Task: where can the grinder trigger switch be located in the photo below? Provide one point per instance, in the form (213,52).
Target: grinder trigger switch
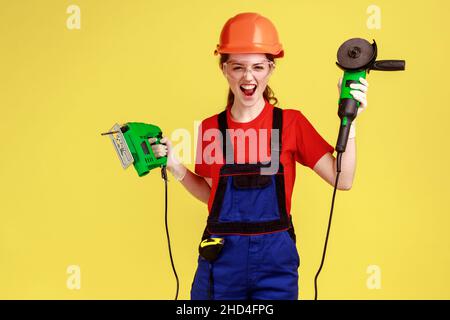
(349,82)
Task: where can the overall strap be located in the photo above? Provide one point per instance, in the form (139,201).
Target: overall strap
(277,126)
(227,147)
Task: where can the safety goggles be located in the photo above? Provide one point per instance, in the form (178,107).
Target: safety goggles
(238,70)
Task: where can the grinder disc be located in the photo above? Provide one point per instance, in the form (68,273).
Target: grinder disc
(355,53)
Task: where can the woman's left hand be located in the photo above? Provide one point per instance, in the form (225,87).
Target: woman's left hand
(359,93)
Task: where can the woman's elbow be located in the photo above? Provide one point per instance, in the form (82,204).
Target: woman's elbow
(345,186)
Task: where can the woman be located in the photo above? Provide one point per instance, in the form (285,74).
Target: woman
(245,170)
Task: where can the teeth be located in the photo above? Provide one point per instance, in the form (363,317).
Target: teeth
(249,86)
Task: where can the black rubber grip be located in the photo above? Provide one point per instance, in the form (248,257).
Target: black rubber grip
(341,143)
(389,65)
(348,108)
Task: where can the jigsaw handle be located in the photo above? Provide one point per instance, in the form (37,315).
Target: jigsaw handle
(158,141)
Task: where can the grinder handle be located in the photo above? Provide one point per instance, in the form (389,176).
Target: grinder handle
(388,65)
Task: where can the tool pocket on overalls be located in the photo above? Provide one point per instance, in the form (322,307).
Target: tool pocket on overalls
(254,197)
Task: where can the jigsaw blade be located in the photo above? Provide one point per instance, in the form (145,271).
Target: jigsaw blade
(121,146)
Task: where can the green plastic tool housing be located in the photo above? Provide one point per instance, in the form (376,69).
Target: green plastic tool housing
(136,135)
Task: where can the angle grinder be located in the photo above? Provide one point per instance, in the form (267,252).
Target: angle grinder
(357,57)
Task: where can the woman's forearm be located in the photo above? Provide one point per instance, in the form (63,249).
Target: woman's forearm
(348,165)
(195,184)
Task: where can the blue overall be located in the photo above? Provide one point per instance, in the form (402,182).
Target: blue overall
(259,259)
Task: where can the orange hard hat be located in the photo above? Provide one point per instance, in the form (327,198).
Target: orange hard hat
(249,33)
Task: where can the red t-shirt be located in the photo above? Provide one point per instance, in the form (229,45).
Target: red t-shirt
(300,142)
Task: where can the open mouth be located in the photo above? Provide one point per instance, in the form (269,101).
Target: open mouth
(248,89)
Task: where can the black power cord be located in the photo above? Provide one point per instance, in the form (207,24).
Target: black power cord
(338,171)
(164,176)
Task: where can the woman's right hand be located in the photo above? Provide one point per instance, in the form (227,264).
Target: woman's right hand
(164,148)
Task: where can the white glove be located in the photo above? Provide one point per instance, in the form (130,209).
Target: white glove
(360,95)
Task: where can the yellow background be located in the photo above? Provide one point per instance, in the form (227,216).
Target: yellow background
(65,199)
